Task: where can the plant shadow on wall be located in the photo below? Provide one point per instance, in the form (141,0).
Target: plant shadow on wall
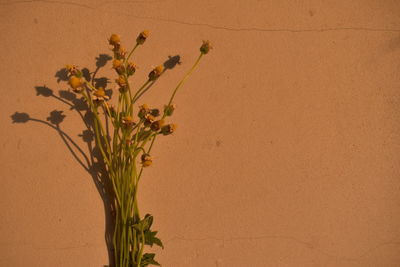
(91,160)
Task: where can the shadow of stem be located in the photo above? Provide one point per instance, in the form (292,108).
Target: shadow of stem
(91,162)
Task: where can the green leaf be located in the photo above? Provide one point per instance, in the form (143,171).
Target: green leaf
(145,224)
(148,259)
(151,239)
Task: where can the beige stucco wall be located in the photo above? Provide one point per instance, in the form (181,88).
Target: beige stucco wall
(288,147)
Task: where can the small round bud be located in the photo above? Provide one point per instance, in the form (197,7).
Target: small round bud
(142,37)
(205,47)
(156,72)
(76,83)
(169,109)
(115,39)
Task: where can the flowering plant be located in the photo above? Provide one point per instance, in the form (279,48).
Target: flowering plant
(125,150)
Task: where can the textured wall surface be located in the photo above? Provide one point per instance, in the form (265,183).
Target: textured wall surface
(288,146)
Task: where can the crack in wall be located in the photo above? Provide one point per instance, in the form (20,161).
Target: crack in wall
(308,245)
(216,27)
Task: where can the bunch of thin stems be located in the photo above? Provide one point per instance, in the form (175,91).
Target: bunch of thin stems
(126,151)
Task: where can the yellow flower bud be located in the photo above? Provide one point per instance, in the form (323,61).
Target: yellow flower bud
(142,37)
(115,39)
(117,63)
(76,83)
(156,72)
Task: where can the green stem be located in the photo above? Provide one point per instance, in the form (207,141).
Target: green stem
(130,54)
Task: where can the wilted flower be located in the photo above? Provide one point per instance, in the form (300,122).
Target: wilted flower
(142,37)
(156,72)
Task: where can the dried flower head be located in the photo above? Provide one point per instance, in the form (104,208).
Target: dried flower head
(130,68)
(142,37)
(115,39)
(149,119)
(100,95)
(143,111)
(119,52)
(121,81)
(156,72)
(117,63)
(169,109)
(76,84)
(205,47)
(168,129)
(147,160)
(156,126)
(155,112)
(118,66)
(128,121)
